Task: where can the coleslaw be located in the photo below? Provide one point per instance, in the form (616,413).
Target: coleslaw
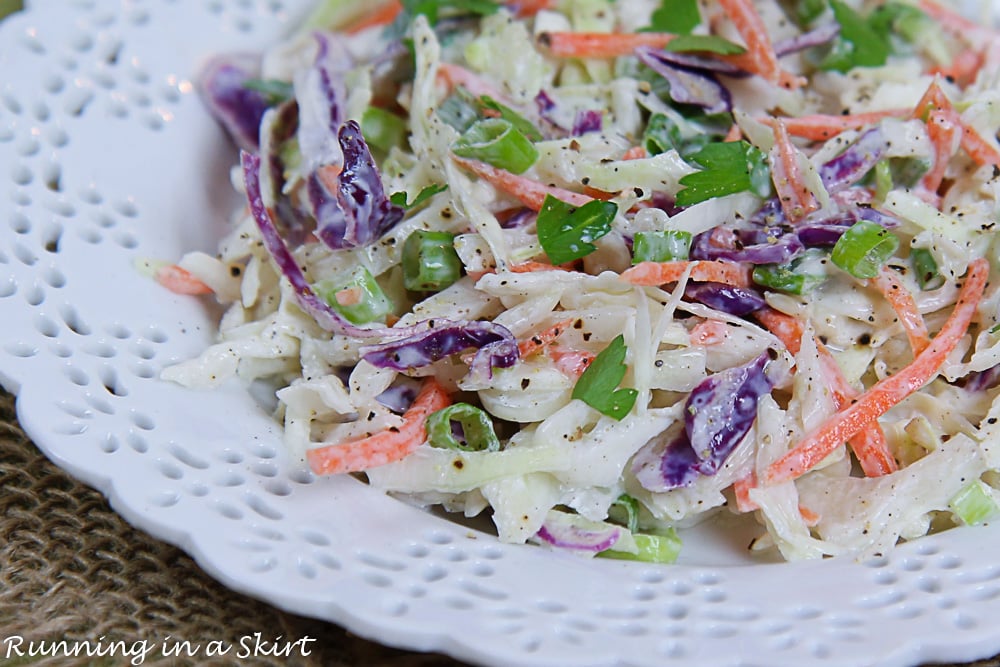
(603,269)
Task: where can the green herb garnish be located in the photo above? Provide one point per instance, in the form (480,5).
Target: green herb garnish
(597,386)
(566,233)
(727,168)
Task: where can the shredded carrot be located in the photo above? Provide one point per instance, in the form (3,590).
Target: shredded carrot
(600,44)
(809,517)
(760,51)
(571,363)
(964,67)
(531,266)
(942,131)
(329,176)
(455,75)
(934,99)
(901,300)
(786,328)
(797,200)
(539,341)
(957,24)
(869,445)
(741,489)
(661,273)
(709,332)
(979,149)
(530,193)
(387,446)
(886,393)
(820,127)
(383,14)
(635,153)
(524,8)
(734,134)
(180,281)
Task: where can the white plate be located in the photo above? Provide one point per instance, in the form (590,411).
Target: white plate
(106,156)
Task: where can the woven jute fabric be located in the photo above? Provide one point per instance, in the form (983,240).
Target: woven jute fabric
(71,569)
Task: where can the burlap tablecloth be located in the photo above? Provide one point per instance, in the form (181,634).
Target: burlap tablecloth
(70,568)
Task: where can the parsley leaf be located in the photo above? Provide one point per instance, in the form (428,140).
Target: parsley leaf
(677,16)
(399,198)
(727,168)
(709,43)
(860,43)
(597,385)
(663,133)
(566,232)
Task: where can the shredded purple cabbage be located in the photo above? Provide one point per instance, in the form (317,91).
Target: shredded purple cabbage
(496,345)
(717,416)
(857,160)
(688,85)
(818,37)
(566,535)
(359,212)
(587,121)
(239,109)
(770,245)
(325,316)
(738,301)
(398,397)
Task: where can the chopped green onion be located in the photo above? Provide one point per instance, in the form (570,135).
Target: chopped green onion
(357,296)
(566,233)
(431,8)
(652,548)
(926,269)
(709,43)
(430,262)
(497,142)
(399,198)
(382,129)
(523,125)
(807,11)
(864,248)
(795,277)
(276,91)
(629,506)
(476,434)
(663,246)
(459,110)
(597,385)
(883,179)
(974,504)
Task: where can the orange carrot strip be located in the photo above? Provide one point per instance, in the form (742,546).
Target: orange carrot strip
(933,98)
(741,490)
(957,24)
(537,342)
(889,391)
(571,363)
(869,445)
(762,58)
(180,281)
(635,153)
(964,67)
(382,15)
(531,266)
(600,44)
(808,516)
(387,446)
(531,193)
(980,150)
(734,134)
(820,127)
(456,75)
(709,332)
(942,131)
(786,328)
(524,8)
(797,200)
(659,273)
(901,300)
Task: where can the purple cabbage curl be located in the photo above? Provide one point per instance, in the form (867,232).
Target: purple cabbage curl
(821,35)
(857,160)
(495,344)
(688,85)
(319,91)
(566,534)
(738,301)
(827,231)
(718,414)
(399,396)
(357,212)
(756,246)
(587,120)
(222,85)
(325,316)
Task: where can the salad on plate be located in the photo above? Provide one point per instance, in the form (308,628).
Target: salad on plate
(603,269)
